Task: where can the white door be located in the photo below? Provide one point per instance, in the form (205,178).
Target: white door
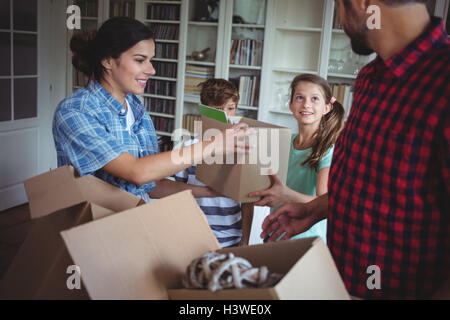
(26,145)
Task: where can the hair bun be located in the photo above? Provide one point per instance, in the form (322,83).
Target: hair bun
(81,46)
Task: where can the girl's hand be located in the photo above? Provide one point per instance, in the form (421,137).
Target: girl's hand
(276,195)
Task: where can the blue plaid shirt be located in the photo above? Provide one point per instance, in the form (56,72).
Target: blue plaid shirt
(89,130)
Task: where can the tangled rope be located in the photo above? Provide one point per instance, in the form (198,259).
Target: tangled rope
(217,271)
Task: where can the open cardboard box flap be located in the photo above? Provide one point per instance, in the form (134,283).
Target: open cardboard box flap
(58,200)
(142,252)
(39,269)
(139,253)
(236,181)
(63,187)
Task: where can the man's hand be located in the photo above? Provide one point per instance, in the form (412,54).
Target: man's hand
(294,218)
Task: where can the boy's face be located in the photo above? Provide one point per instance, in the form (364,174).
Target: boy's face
(230,108)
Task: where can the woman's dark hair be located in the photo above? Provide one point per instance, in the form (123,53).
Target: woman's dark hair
(331,123)
(114,37)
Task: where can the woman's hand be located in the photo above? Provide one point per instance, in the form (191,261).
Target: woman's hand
(230,141)
(274,196)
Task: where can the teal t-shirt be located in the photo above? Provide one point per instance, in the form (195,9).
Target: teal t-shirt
(303,179)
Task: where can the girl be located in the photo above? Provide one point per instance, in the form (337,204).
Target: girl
(104,130)
(320,119)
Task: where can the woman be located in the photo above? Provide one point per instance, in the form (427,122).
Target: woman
(104,130)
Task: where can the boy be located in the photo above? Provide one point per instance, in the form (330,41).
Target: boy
(223,214)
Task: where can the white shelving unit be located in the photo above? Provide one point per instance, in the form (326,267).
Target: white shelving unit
(298,36)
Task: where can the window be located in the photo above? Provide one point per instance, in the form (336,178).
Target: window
(18,66)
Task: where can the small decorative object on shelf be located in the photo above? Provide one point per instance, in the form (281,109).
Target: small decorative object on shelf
(200,55)
(218,271)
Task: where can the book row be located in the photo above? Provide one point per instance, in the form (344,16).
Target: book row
(89,8)
(161,87)
(344,95)
(189,120)
(163,12)
(162,124)
(248,90)
(165,69)
(166,50)
(246,52)
(165,143)
(160,105)
(164,31)
(121,8)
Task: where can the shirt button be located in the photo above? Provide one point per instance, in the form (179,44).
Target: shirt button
(122,111)
(141,150)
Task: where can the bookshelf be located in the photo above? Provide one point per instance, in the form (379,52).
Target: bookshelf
(90,20)
(306,38)
(234,34)
(298,36)
(161,94)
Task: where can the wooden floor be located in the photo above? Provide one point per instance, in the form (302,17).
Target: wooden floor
(14,226)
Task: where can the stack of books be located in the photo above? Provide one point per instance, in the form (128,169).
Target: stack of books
(194,76)
(246,52)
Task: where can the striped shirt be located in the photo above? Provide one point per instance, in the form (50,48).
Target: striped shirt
(90,130)
(223,214)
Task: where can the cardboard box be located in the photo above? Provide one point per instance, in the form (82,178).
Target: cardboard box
(236,181)
(142,253)
(58,200)
(308,268)
(63,187)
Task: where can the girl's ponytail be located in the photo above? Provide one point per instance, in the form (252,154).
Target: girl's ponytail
(329,130)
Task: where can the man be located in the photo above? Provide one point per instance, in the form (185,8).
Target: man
(388,203)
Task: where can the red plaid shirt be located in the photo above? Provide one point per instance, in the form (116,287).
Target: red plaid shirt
(389,185)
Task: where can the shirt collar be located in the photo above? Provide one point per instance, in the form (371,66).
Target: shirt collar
(407,57)
(97,89)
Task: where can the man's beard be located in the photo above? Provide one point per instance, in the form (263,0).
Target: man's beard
(359,43)
(358,37)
